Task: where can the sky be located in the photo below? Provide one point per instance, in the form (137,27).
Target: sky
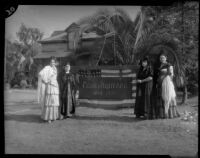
(49,18)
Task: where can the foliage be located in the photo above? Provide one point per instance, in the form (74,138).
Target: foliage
(174,28)
(179,25)
(28,36)
(116,26)
(12,58)
(19,54)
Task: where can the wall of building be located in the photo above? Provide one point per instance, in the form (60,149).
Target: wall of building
(48,47)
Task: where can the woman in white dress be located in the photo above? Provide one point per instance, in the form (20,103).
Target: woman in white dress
(48,92)
(166,95)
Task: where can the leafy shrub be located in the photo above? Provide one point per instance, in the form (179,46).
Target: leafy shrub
(23,84)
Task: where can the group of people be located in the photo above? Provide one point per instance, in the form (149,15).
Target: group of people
(155,94)
(56,92)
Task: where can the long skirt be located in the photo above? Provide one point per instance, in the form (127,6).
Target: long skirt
(50,113)
(143,105)
(66,101)
(169,98)
(50,110)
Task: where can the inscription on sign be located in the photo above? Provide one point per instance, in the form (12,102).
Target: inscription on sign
(105,88)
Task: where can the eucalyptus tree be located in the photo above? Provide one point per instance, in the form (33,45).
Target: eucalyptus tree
(28,38)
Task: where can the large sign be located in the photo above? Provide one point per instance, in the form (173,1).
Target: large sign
(107,85)
(116,88)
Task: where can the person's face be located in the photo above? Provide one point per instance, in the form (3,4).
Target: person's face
(144,63)
(57,63)
(163,59)
(53,62)
(67,68)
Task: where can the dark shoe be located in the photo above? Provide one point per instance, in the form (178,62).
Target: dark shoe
(61,117)
(69,115)
(143,117)
(137,116)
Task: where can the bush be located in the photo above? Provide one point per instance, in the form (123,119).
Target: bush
(193,89)
(23,84)
(7,86)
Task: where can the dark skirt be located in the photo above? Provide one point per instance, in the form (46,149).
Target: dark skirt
(67,103)
(143,105)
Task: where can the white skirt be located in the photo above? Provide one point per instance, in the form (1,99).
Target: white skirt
(50,109)
(168,94)
(50,113)
(168,90)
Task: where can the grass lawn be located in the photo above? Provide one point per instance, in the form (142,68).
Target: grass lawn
(95,130)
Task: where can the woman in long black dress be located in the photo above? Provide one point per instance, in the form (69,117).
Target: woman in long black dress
(143,106)
(66,100)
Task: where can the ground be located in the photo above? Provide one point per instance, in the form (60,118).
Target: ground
(95,131)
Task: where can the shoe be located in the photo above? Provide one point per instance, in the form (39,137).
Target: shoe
(137,116)
(69,115)
(61,118)
(73,115)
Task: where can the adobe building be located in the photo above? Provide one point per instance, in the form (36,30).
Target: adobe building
(66,45)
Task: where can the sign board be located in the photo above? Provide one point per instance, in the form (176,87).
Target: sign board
(107,85)
(105,88)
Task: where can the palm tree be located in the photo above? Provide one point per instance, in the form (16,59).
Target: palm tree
(134,39)
(156,28)
(117,28)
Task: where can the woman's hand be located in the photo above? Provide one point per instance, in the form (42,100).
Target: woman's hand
(139,81)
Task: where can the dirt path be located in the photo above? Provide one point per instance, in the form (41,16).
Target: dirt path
(94,131)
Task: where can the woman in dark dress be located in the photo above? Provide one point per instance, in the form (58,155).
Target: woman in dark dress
(164,90)
(66,100)
(143,106)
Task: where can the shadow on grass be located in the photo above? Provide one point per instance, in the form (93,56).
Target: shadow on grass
(29,118)
(22,103)
(107,118)
(105,107)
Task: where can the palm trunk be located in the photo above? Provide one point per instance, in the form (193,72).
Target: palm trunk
(185,95)
(114,51)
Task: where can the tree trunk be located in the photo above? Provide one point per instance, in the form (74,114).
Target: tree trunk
(185,95)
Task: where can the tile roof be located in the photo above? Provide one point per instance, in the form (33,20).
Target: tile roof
(72,27)
(90,35)
(53,53)
(57,32)
(58,37)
